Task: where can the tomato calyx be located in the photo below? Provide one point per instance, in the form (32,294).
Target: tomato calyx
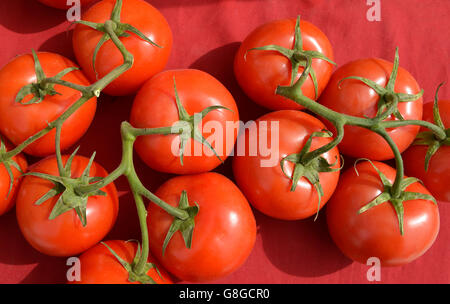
(119,28)
(389,99)
(297,56)
(135,275)
(309,168)
(187,125)
(429,138)
(66,187)
(185,226)
(41,87)
(396,201)
(8,163)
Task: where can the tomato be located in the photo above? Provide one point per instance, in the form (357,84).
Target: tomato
(438,174)
(65,234)
(375,232)
(148,59)
(267,188)
(155,106)
(224,233)
(62,4)
(259,72)
(100,266)
(19,121)
(7,197)
(355,98)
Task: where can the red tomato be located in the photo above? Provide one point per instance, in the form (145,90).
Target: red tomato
(64,235)
(18,121)
(8,201)
(438,174)
(148,59)
(260,72)
(100,266)
(224,233)
(356,98)
(155,106)
(267,187)
(62,4)
(375,233)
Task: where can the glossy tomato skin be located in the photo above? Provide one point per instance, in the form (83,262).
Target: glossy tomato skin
(375,233)
(355,98)
(18,121)
(438,174)
(155,106)
(260,72)
(148,59)
(64,235)
(62,4)
(7,201)
(265,186)
(100,266)
(224,233)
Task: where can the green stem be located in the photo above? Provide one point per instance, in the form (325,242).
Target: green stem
(58,150)
(310,156)
(438,132)
(396,190)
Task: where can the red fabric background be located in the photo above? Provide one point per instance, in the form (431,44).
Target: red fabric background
(207,34)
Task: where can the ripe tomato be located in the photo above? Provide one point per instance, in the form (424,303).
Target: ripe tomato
(100,266)
(62,4)
(19,121)
(260,72)
(438,174)
(266,186)
(148,59)
(356,98)
(224,233)
(375,233)
(155,106)
(7,201)
(64,235)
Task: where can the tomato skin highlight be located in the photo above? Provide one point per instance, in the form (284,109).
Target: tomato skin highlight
(376,233)
(224,233)
(19,122)
(148,59)
(260,72)
(62,4)
(64,235)
(100,266)
(7,201)
(438,174)
(155,106)
(266,187)
(355,98)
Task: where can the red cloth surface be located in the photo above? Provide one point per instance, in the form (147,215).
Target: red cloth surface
(207,33)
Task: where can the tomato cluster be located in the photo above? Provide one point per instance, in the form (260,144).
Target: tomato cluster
(200,225)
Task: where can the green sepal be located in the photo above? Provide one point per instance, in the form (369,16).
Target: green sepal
(397,203)
(185,226)
(8,163)
(309,170)
(187,125)
(143,277)
(297,56)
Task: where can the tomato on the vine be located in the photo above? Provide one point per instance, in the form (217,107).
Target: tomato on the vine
(64,235)
(62,4)
(375,232)
(100,266)
(437,175)
(356,98)
(224,231)
(266,186)
(19,121)
(260,72)
(148,59)
(155,106)
(8,193)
